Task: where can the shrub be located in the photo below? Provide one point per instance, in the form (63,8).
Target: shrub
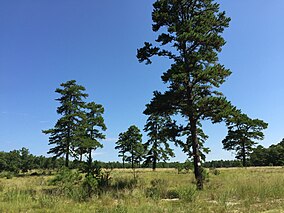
(89,186)
(68,183)
(125,183)
(6,174)
(187,193)
(214,171)
(205,174)
(157,190)
(173,193)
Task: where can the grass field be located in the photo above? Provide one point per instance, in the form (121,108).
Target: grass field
(233,190)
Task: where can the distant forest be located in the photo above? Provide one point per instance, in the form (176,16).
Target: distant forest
(21,161)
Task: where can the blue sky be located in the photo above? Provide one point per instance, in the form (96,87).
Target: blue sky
(44,43)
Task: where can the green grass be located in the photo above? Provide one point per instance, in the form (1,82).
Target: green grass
(233,190)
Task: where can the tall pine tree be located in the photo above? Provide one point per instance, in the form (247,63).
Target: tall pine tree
(190,36)
(63,135)
(159,129)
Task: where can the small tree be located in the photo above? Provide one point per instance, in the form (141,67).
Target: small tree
(158,128)
(258,157)
(63,135)
(122,146)
(130,143)
(242,133)
(134,142)
(26,160)
(93,124)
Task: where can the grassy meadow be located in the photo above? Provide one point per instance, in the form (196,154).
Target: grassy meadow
(226,190)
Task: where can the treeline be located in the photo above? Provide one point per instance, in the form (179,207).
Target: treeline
(22,160)
(271,156)
(17,161)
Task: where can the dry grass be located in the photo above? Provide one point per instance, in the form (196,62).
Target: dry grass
(234,190)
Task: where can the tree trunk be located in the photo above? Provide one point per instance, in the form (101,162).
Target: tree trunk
(154,163)
(132,157)
(244,154)
(155,156)
(123,160)
(196,156)
(67,148)
(67,156)
(90,161)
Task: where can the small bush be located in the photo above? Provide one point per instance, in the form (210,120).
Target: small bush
(214,171)
(103,179)
(125,183)
(205,174)
(158,189)
(66,177)
(89,186)
(171,194)
(187,194)
(6,174)
(68,183)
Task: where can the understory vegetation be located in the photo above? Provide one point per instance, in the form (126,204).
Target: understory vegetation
(225,190)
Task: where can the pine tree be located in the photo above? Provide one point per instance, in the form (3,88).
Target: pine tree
(130,145)
(190,36)
(159,129)
(242,131)
(93,124)
(63,136)
(122,146)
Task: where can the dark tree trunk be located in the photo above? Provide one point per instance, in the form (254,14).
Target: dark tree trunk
(155,156)
(244,154)
(67,159)
(67,156)
(123,160)
(90,161)
(196,156)
(81,156)
(154,163)
(132,157)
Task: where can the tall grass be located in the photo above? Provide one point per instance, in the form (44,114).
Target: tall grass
(230,190)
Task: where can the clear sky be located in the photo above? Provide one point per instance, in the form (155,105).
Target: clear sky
(44,43)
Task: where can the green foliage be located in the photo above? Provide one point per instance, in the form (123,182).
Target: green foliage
(205,174)
(242,133)
(187,194)
(214,171)
(130,146)
(63,135)
(89,134)
(78,131)
(190,36)
(7,174)
(271,156)
(160,129)
(125,183)
(90,185)
(158,189)
(185,167)
(65,178)
(222,163)
(122,146)
(104,179)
